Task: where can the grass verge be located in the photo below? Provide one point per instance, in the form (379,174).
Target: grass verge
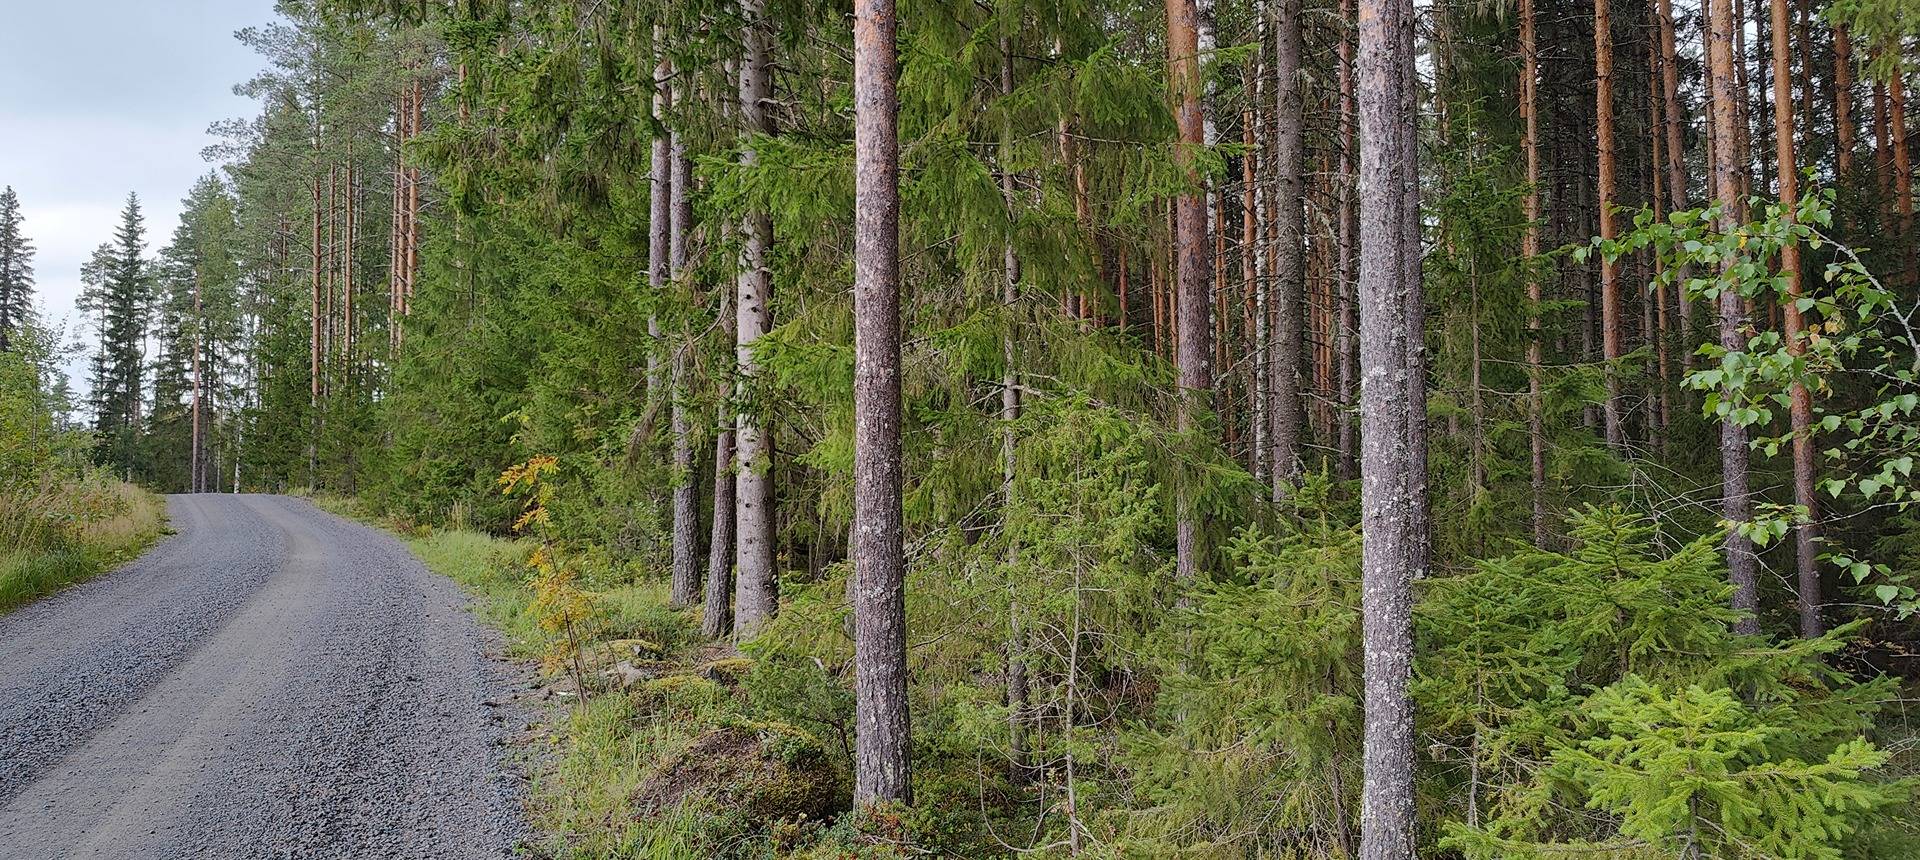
(123,520)
(672,754)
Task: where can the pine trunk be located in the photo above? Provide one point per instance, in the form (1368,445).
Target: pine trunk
(1674,126)
(1289,246)
(1346,343)
(1800,410)
(1530,252)
(1610,319)
(1017,684)
(882,744)
(1843,130)
(1736,505)
(716,618)
(1388,325)
(1190,263)
(686,496)
(1902,170)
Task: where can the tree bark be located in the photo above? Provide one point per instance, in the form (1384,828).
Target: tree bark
(686,496)
(716,619)
(1800,409)
(755,589)
(1346,344)
(1674,126)
(194,477)
(1902,167)
(313,363)
(659,189)
(1290,248)
(1736,504)
(1843,130)
(1388,324)
(1610,321)
(1017,683)
(1882,150)
(1252,330)
(1191,264)
(883,744)
(1530,252)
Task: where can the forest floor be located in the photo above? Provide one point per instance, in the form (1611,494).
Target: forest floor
(273,680)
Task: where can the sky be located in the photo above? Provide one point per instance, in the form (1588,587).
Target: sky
(99,98)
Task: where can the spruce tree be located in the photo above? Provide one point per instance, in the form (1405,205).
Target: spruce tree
(125,307)
(16,269)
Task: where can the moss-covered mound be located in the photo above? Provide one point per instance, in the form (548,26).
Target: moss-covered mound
(769,771)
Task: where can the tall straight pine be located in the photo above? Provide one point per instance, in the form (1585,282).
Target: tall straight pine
(882,744)
(1191,332)
(1736,499)
(1390,492)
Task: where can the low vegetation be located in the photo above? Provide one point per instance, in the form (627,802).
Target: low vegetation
(672,752)
(61,520)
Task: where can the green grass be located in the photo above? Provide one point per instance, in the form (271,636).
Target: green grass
(492,571)
(131,521)
(622,774)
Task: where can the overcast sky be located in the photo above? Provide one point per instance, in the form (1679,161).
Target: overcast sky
(99,98)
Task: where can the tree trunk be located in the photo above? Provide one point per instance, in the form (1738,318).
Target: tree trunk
(1800,410)
(1736,500)
(313,363)
(686,496)
(1251,332)
(1654,307)
(1419,514)
(346,270)
(1882,150)
(1610,322)
(1289,246)
(194,482)
(1346,344)
(1190,262)
(1256,261)
(659,190)
(1530,252)
(1902,169)
(1842,102)
(1388,324)
(1675,150)
(755,594)
(883,743)
(716,618)
(1017,685)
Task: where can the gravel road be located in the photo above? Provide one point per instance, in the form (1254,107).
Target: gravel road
(272,681)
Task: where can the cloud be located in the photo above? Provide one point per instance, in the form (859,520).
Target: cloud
(107,98)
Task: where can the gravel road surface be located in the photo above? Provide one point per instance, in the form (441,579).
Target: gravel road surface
(272,681)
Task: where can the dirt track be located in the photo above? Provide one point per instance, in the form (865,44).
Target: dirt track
(273,681)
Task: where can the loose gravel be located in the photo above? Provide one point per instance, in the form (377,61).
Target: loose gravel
(273,681)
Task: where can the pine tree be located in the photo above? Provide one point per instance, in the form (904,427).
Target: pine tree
(1191,267)
(1786,167)
(1290,246)
(1736,500)
(1389,291)
(880,614)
